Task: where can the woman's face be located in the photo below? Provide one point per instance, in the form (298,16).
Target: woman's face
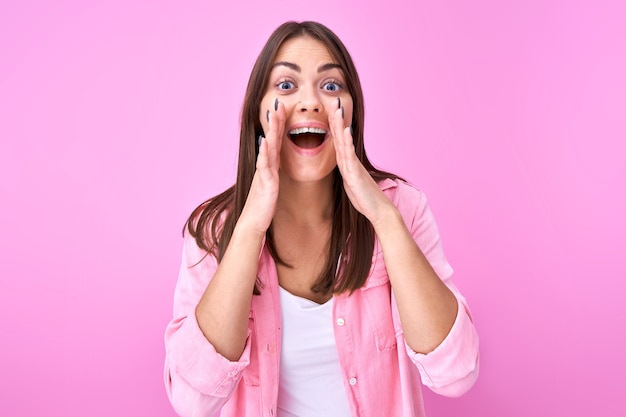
(307,81)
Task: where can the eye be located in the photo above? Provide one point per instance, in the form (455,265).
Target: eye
(285,85)
(332,86)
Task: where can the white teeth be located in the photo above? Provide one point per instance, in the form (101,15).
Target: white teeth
(302,130)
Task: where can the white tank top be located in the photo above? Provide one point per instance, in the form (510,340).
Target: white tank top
(311,384)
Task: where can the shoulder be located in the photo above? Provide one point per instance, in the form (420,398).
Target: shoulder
(404,196)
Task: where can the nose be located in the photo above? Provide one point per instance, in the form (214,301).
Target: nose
(309,101)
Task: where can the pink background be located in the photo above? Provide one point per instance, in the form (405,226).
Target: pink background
(117,118)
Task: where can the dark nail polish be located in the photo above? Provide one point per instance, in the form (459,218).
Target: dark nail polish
(342,115)
(267,116)
(276,105)
(338,102)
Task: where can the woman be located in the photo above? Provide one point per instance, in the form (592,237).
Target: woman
(316,285)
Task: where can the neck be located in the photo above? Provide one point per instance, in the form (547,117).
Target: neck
(305,203)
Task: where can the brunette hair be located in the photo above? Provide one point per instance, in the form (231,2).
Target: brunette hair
(352,237)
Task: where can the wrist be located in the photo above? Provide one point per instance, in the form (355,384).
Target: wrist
(387,216)
(247,232)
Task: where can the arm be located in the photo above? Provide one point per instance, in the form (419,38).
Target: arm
(437,329)
(222,312)
(451,367)
(207,342)
(198,379)
(426,306)
(433,316)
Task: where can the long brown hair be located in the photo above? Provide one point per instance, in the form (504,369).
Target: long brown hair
(212,223)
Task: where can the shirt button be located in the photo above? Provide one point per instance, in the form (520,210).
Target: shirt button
(340,321)
(352,381)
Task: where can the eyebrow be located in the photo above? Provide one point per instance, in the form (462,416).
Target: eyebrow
(297,68)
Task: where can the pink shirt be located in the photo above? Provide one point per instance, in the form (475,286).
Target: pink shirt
(381,374)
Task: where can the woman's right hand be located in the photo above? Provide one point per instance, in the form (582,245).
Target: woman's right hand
(223,311)
(260,206)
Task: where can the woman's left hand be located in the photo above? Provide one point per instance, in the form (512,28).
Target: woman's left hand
(362,190)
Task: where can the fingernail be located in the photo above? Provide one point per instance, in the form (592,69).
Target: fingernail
(267,115)
(276,105)
(342,113)
(258,140)
(338,102)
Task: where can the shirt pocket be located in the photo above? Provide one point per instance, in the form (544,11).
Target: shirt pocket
(251,372)
(376,295)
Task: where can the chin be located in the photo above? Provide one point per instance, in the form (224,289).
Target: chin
(309,176)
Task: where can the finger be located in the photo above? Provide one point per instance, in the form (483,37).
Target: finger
(262,158)
(347,161)
(336,123)
(276,120)
(343,141)
(335,120)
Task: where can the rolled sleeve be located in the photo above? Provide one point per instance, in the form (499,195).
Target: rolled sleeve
(196,361)
(198,379)
(452,367)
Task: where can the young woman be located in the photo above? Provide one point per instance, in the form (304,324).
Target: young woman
(316,285)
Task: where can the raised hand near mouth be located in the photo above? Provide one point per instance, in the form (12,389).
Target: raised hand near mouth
(261,202)
(362,190)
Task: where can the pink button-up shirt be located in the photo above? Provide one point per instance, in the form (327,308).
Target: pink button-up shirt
(381,373)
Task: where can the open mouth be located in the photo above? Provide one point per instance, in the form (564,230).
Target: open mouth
(307,137)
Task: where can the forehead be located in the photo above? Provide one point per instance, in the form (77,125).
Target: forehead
(303,48)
